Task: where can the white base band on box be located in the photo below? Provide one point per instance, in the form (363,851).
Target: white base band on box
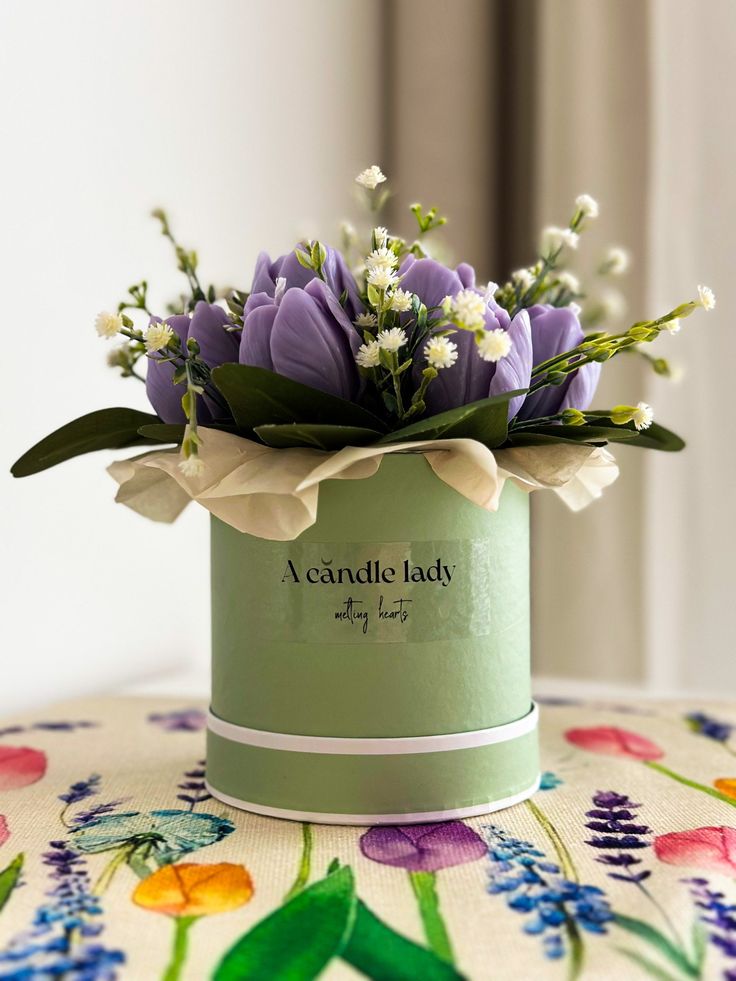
(373,746)
(321,817)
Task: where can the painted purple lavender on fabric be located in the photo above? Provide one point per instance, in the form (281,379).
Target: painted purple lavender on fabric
(706,725)
(180,720)
(719,916)
(423,847)
(194,790)
(617,835)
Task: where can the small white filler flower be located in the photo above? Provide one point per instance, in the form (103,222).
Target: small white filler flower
(616,261)
(707,297)
(554,238)
(192,466)
(494,345)
(157,337)
(108,324)
(587,205)
(568,281)
(380,234)
(381,258)
(366,320)
(382,277)
(643,416)
(440,353)
(401,300)
(368,355)
(468,309)
(393,339)
(371,177)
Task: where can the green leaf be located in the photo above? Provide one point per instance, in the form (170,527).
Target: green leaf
(700,944)
(656,437)
(657,940)
(384,955)
(105,429)
(258,397)
(174,432)
(9,878)
(522,437)
(299,939)
(486,421)
(649,967)
(322,437)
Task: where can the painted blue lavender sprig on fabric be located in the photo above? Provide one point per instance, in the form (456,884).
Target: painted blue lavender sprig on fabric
(715,729)
(555,908)
(58,943)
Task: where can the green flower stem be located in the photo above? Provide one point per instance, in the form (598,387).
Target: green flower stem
(566,863)
(180,948)
(121,856)
(660,768)
(424,885)
(305,863)
(577,950)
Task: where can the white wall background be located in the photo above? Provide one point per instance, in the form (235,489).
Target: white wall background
(247,121)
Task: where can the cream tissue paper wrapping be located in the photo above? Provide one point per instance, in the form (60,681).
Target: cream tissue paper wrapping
(273,493)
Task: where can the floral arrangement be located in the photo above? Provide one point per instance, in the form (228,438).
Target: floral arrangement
(333,348)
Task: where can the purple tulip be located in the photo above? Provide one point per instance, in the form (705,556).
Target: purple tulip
(305,335)
(216,344)
(423,847)
(554,331)
(335,271)
(470,378)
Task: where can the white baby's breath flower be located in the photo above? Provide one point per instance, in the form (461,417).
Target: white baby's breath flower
(569,282)
(643,416)
(401,300)
(108,324)
(706,297)
(440,353)
(382,277)
(157,337)
(368,355)
(380,234)
(371,177)
(381,258)
(468,309)
(366,320)
(494,345)
(393,339)
(612,304)
(616,261)
(672,326)
(523,278)
(587,205)
(554,238)
(192,466)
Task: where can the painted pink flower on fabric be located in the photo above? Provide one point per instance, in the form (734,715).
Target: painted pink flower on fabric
(706,848)
(613,741)
(4,830)
(20,766)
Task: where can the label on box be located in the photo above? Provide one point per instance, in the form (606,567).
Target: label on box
(396,592)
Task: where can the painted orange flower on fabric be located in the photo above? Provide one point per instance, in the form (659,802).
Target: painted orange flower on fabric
(187,891)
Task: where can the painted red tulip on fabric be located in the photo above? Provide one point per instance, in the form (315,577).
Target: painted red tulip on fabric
(4,830)
(613,741)
(703,848)
(20,766)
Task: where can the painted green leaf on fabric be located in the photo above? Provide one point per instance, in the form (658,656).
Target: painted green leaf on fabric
(316,435)
(486,421)
(298,940)
(384,955)
(659,942)
(9,878)
(257,396)
(105,429)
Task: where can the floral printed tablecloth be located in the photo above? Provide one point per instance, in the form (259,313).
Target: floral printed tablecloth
(116,863)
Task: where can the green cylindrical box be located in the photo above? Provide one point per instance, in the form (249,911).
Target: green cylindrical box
(375,669)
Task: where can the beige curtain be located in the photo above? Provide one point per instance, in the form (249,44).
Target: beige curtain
(502,121)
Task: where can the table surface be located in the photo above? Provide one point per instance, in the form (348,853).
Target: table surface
(116,863)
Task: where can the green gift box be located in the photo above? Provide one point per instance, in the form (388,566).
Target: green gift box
(376,668)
